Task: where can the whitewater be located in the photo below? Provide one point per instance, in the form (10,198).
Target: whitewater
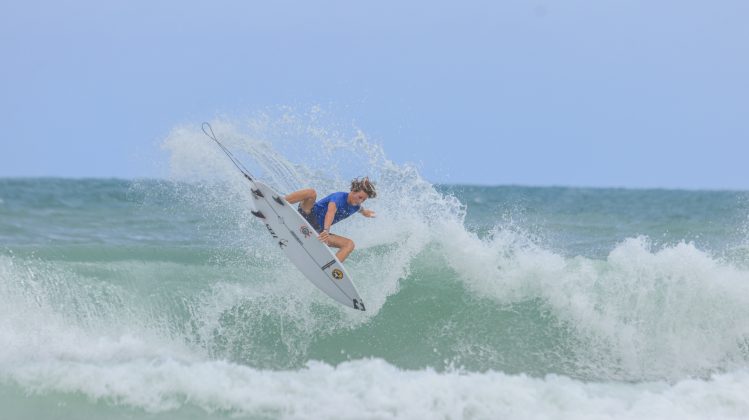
(165,299)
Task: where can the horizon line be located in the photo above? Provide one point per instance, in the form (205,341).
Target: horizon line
(455,184)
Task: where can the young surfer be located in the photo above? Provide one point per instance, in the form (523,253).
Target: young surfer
(332,209)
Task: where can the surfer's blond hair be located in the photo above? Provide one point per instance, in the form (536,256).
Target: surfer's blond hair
(365,185)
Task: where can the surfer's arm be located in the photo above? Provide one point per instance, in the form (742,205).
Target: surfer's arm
(329,216)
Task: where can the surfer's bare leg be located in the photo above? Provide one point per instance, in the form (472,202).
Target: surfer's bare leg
(307,196)
(345,246)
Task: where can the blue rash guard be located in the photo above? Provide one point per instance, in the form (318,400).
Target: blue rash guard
(343,209)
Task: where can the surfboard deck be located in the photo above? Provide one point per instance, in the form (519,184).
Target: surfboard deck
(299,241)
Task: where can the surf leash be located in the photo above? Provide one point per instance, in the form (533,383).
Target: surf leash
(208,130)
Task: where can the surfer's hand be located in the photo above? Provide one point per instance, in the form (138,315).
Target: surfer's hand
(368,213)
(324,236)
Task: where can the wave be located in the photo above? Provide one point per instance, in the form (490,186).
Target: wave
(486,321)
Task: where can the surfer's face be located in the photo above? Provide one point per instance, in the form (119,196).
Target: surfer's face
(357,197)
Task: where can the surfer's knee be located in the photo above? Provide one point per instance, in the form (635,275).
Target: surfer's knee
(350,244)
(306,195)
(310,193)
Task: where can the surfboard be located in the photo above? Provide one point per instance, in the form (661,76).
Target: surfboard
(296,238)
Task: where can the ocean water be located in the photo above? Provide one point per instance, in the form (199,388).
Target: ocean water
(165,299)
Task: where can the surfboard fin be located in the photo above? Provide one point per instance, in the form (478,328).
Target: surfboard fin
(278,199)
(258,214)
(257,193)
(359,305)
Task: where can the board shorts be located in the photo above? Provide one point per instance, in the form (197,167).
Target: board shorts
(311,217)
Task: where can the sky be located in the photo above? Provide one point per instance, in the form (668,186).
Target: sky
(601,93)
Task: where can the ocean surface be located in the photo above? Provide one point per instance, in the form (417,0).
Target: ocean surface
(165,299)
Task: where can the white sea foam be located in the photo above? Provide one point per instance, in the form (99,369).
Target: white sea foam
(374,389)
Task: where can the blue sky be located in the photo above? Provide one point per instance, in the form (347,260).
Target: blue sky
(628,93)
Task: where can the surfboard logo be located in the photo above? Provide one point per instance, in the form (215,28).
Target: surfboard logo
(337,274)
(305,231)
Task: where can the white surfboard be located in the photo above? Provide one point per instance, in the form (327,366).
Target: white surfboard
(300,242)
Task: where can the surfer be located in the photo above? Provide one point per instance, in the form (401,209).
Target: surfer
(332,209)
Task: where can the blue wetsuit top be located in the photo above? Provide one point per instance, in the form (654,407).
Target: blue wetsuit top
(343,208)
